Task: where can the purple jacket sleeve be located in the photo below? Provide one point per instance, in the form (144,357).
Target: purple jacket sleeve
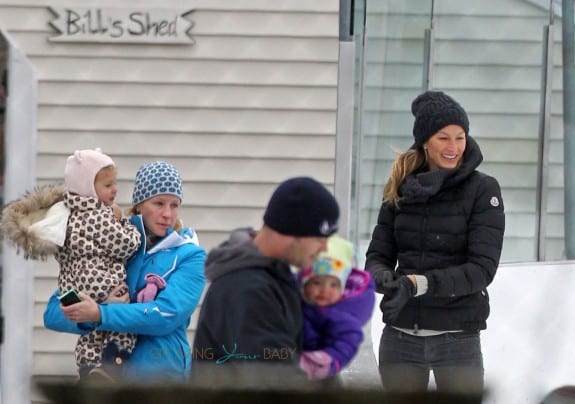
(338,329)
(344,338)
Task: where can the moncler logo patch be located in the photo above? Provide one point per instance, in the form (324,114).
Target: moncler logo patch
(494,201)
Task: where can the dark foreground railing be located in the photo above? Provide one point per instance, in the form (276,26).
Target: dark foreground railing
(66,392)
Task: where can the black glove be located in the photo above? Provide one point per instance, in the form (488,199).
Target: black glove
(384,277)
(395,296)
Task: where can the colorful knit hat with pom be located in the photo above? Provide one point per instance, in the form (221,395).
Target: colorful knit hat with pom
(337,261)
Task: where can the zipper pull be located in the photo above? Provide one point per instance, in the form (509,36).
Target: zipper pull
(415,328)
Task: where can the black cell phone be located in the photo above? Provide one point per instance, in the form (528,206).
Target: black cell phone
(69,297)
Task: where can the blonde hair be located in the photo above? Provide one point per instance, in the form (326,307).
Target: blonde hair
(405,164)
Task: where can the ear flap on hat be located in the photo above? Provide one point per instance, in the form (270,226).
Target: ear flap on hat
(81,169)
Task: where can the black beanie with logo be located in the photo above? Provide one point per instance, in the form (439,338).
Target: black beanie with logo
(302,207)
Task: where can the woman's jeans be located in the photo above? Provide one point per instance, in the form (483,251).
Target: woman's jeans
(455,358)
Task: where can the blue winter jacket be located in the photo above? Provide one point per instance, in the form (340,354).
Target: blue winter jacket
(162,351)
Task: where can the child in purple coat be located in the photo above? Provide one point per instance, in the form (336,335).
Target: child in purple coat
(337,302)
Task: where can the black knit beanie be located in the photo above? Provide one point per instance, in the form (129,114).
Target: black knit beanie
(434,110)
(302,207)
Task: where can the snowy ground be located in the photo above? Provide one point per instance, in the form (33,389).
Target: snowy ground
(528,347)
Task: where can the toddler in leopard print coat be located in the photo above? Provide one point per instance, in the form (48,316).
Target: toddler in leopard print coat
(83,228)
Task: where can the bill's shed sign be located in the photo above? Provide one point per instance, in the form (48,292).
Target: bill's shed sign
(121,25)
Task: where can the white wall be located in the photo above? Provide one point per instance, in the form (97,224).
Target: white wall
(252,102)
(17,274)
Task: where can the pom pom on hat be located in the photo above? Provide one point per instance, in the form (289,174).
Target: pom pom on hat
(81,170)
(434,110)
(302,207)
(157,178)
(336,261)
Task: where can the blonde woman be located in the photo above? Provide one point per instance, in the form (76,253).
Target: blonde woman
(434,250)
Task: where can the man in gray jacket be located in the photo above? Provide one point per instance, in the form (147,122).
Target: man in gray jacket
(251,314)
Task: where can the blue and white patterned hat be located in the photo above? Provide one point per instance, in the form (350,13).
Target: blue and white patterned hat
(157,178)
(336,261)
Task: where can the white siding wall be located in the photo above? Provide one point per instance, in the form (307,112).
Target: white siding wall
(251,103)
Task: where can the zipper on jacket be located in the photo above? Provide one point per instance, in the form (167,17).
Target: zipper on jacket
(419,270)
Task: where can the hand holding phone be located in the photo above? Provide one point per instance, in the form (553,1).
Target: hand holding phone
(69,297)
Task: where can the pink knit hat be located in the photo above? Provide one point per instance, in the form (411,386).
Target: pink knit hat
(82,168)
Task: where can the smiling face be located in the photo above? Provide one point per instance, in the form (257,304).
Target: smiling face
(105,185)
(445,148)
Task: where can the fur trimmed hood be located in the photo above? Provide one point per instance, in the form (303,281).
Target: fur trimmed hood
(19,216)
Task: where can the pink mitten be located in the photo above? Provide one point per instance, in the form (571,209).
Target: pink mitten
(315,364)
(154,283)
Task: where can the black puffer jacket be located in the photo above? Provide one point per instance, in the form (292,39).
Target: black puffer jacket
(453,237)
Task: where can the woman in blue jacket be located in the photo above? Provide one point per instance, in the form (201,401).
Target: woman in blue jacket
(165,280)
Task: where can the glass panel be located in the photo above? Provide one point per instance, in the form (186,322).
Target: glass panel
(487,55)
(554,229)
(490,61)
(392,77)
(358,32)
